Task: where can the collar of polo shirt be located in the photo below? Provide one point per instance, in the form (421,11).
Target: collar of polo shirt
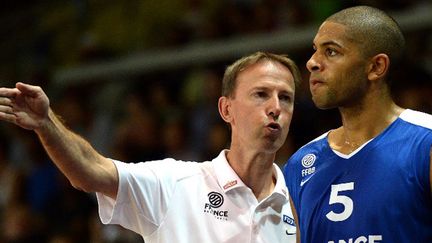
(229,180)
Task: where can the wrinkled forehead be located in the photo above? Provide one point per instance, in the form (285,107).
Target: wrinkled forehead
(265,70)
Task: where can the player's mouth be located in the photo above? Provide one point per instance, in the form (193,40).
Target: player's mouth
(315,84)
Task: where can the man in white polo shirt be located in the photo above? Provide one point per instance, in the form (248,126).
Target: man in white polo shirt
(238,197)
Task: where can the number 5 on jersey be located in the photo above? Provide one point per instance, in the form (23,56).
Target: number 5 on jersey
(346,201)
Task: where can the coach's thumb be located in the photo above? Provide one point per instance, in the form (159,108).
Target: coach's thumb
(27,89)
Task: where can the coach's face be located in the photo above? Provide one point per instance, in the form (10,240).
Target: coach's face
(261,108)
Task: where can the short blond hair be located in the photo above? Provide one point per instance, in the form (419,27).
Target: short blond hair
(229,81)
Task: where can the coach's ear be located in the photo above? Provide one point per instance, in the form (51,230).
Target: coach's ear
(224,106)
(378,66)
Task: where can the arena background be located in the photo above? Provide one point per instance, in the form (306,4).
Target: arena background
(140,80)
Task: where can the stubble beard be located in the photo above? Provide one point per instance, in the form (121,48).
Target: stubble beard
(325,101)
(348,97)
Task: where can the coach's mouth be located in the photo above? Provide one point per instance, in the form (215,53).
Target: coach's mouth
(274,126)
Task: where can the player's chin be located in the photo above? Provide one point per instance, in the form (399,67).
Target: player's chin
(323,104)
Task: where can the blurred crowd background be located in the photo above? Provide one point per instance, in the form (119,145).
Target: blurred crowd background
(140,80)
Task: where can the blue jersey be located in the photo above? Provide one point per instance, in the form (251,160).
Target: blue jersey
(379,193)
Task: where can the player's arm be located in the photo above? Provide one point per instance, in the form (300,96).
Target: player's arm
(28,106)
(296,220)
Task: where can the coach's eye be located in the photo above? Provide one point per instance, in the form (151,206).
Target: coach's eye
(260,94)
(285,97)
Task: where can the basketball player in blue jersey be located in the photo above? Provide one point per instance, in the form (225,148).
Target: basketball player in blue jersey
(370,179)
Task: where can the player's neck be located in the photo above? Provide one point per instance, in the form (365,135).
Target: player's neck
(371,117)
(361,124)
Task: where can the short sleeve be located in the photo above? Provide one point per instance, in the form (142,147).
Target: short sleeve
(143,196)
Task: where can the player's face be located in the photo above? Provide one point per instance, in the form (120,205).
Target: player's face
(262,106)
(338,71)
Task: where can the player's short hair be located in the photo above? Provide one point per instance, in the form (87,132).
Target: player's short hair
(375,31)
(229,81)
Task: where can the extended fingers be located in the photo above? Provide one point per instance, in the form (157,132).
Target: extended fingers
(9,93)
(6,101)
(6,110)
(7,97)
(9,117)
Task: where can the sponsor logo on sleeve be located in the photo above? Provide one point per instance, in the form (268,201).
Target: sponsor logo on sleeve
(287,219)
(291,227)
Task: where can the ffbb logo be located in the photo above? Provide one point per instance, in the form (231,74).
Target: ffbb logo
(216,200)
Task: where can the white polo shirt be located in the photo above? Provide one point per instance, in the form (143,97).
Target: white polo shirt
(175,201)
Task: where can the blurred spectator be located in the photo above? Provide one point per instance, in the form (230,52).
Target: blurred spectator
(201,92)
(137,134)
(20,225)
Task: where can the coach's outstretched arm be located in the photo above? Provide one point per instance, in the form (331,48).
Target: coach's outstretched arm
(28,107)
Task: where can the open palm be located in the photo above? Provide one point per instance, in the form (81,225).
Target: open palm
(28,106)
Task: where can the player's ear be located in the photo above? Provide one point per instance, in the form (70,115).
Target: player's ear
(378,66)
(224,106)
